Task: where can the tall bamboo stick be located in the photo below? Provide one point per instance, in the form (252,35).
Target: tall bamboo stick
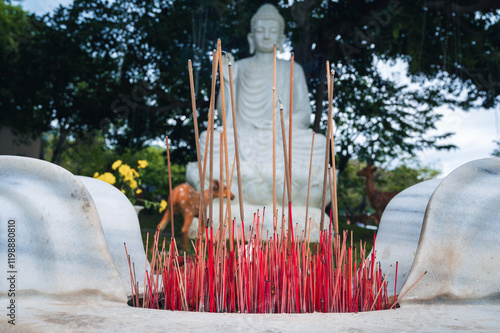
(236,150)
(287,167)
(332,148)
(221,182)
(211,160)
(170,188)
(327,152)
(224,126)
(201,214)
(274,129)
(290,116)
(309,181)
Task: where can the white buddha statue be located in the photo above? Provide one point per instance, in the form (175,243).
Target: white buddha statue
(253,81)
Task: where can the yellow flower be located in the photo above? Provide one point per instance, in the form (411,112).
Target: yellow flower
(163,206)
(133,184)
(96,174)
(123,191)
(135,174)
(107,177)
(116,164)
(126,172)
(142,164)
(138,191)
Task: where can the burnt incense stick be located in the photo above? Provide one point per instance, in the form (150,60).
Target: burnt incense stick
(211,160)
(224,126)
(399,298)
(281,273)
(221,180)
(290,123)
(309,181)
(380,289)
(170,188)
(201,212)
(283,202)
(274,129)
(145,268)
(229,185)
(236,150)
(330,183)
(327,150)
(287,173)
(332,148)
(132,283)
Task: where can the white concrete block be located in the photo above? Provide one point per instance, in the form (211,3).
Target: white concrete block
(460,242)
(121,225)
(60,249)
(399,231)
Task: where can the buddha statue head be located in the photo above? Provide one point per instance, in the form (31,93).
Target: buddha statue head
(267,27)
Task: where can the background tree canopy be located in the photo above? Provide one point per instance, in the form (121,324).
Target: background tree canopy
(119,68)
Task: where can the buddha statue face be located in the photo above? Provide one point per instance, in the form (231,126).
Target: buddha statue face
(265,34)
(267,28)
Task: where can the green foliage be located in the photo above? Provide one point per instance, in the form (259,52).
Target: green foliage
(351,187)
(15,27)
(120,68)
(155,176)
(496,152)
(403,177)
(85,157)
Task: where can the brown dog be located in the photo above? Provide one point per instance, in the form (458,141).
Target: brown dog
(186,201)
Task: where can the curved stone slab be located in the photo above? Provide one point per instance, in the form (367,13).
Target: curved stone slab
(60,249)
(460,239)
(120,225)
(399,231)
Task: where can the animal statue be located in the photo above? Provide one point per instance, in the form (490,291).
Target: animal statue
(185,200)
(378,199)
(364,219)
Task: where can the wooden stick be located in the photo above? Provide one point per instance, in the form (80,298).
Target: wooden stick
(274,130)
(201,215)
(380,289)
(408,290)
(230,182)
(309,181)
(283,203)
(330,182)
(170,188)
(327,153)
(332,148)
(132,281)
(287,168)
(224,126)
(236,151)
(221,179)
(290,116)
(212,110)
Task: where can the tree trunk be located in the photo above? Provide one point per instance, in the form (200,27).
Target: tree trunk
(60,145)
